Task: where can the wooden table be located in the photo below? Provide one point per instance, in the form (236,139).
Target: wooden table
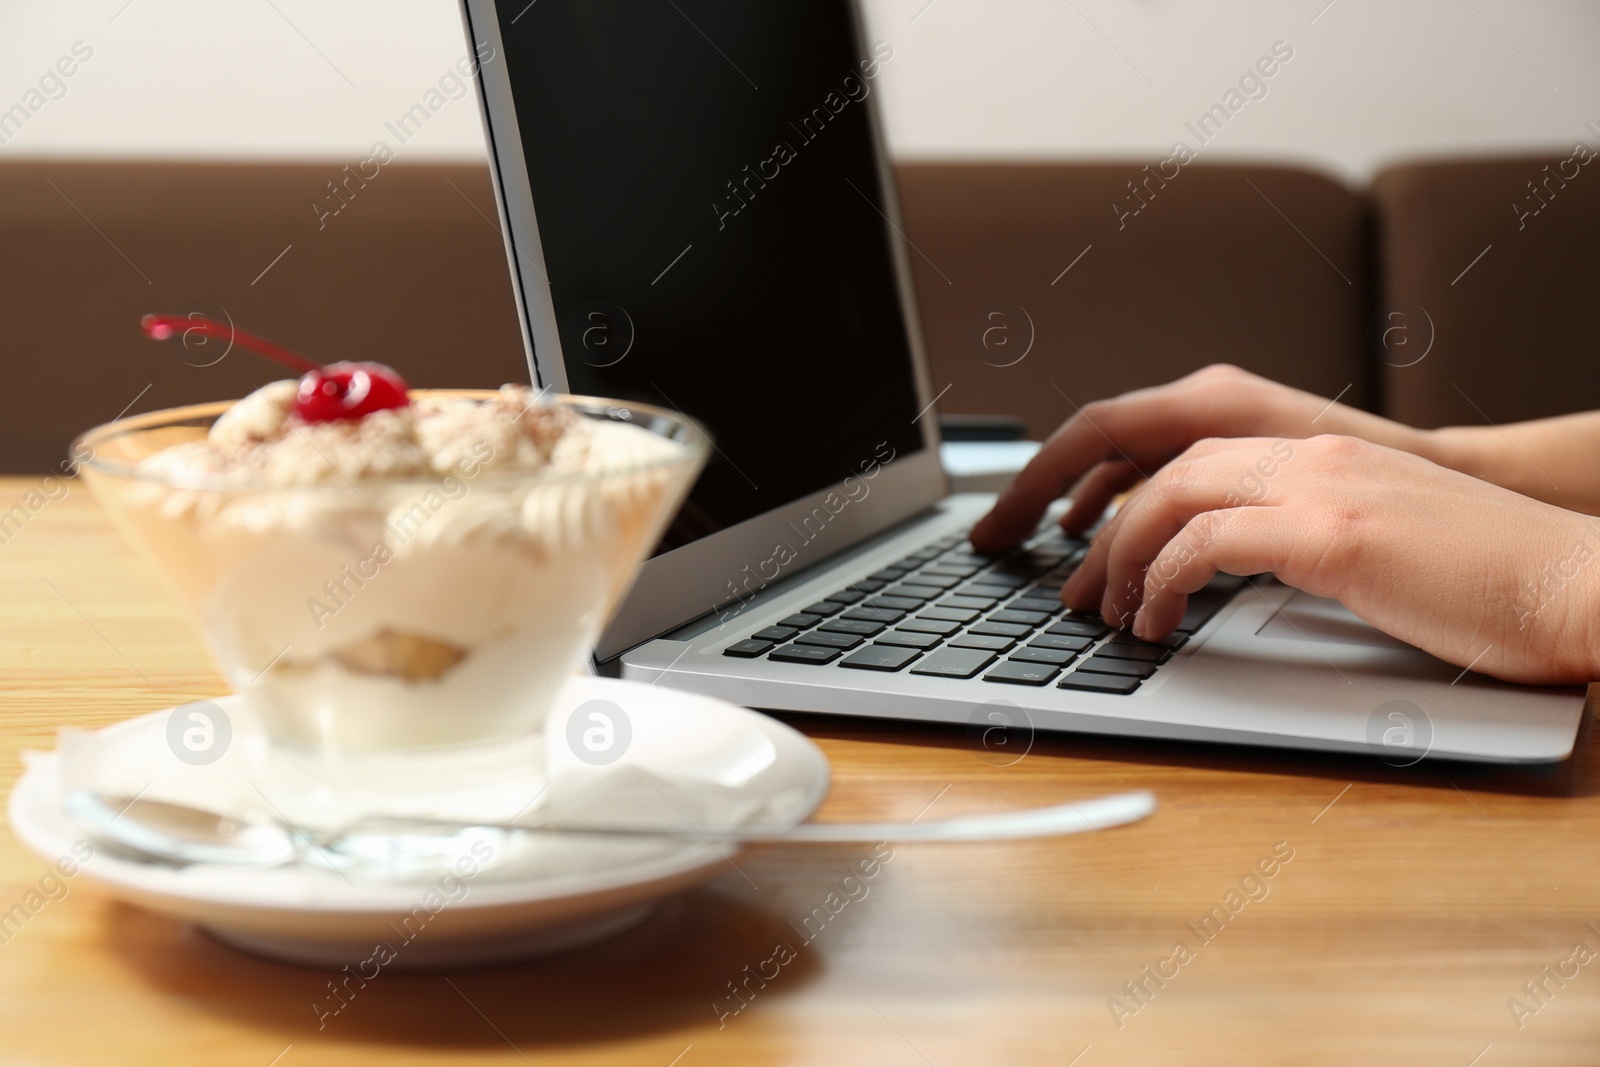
(1415,906)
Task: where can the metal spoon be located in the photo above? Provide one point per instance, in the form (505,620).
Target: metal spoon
(181,835)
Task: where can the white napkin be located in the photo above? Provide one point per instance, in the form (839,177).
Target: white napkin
(500,783)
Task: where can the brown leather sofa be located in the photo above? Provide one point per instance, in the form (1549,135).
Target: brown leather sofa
(1042,285)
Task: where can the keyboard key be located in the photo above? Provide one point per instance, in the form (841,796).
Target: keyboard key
(1030,603)
(1127,667)
(967,559)
(954,662)
(1202,605)
(1027,618)
(823,607)
(991,592)
(1098,683)
(880,658)
(920,592)
(869,585)
(938,581)
(1047,589)
(748,649)
(1062,641)
(930,626)
(1023,673)
(830,639)
(800,620)
(908,640)
(776,633)
(1017,577)
(895,603)
(805,654)
(1001,629)
(1078,627)
(888,574)
(951,570)
(866,614)
(1033,654)
(852,626)
(989,642)
(949,614)
(846,596)
(975,603)
(1172,641)
(1147,653)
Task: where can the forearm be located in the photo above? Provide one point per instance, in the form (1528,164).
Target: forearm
(1556,460)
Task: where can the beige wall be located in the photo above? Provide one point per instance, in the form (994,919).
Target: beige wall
(1369,81)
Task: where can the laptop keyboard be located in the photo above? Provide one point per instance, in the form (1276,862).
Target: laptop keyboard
(946,612)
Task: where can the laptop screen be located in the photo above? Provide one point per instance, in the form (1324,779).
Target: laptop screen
(704,176)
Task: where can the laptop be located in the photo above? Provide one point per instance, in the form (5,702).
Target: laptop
(699,215)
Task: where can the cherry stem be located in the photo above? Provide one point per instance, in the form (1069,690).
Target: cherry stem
(164,327)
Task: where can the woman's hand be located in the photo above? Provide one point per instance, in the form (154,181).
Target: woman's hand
(1470,572)
(1110,444)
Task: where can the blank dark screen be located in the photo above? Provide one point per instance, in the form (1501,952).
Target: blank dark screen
(704,177)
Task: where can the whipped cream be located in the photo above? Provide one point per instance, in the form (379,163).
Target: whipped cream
(259,440)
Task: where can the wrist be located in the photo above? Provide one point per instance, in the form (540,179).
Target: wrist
(1573,579)
(1461,448)
(1556,601)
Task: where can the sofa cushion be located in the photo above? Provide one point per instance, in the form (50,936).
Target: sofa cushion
(1265,267)
(1222,263)
(411,271)
(1502,279)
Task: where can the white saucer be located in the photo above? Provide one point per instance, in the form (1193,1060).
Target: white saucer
(592,889)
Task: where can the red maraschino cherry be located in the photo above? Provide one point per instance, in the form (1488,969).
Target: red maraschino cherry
(348,391)
(327,393)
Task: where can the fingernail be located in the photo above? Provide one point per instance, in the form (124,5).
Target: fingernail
(1140,630)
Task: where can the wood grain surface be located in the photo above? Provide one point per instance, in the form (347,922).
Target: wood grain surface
(1405,911)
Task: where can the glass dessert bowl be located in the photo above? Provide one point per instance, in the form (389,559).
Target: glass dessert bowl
(427,572)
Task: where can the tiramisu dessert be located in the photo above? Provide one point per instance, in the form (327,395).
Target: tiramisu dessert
(384,568)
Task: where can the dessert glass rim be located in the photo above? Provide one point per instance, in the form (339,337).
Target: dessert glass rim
(82,451)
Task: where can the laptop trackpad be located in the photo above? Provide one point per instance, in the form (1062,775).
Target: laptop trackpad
(1306,617)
